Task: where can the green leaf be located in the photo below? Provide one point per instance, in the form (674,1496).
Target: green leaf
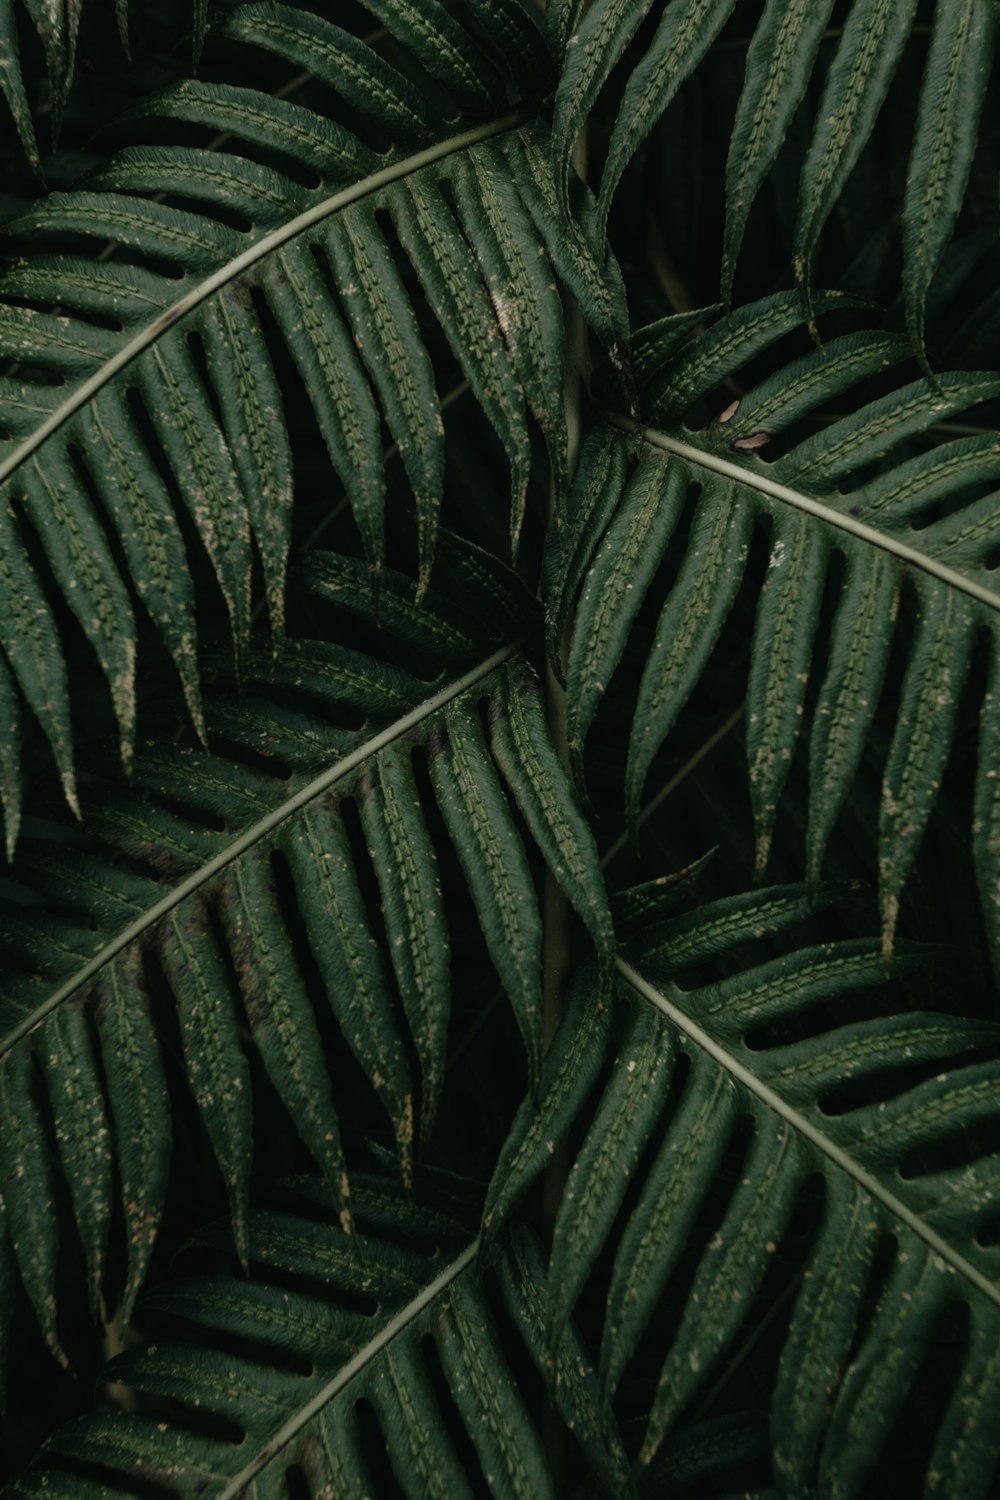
(250,402)
(434,623)
(342,62)
(623,1124)
(69,1060)
(571,238)
(488,1399)
(132,488)
(959,59)
(915,522)
(524,752)
(57,31)
(137,1093)
(655,343)
(867,434)
(440,43)
(12,83)
(765,1177)
(698,1134)
(715,1073)
(688,627)
(576,526)
(684,35)
(493,857)
(28,637)
(858,653)
(213,1052)
(412,907)
(715,926)
(929,700)
(234,895)
(569,1070)
(524,294)
(279,1012)
(453,282)
(780,59)
(809,382)
(340,394)
(820,1337)
(638,904)
(616,583)
(205,469)
(784,629)
(275,124)
(603,31)
(867,55)
(10,758)
(672,382)
(911,1300)
(171,361)
(986,812)
(253,1341)
(29,1190)
(349,959)
(731,1269)
(912,488)
(518,31)
(83,566)
(527,1287)
(385,330)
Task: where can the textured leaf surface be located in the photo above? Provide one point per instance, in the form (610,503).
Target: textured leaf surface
(789,53)
(689,1067)
(959,59)
(56,29)
(236,896)
(684,35)
(615,584)
(428,1310)
(918,528)
(779,61)
(160,387)
(874,34)
(353,288)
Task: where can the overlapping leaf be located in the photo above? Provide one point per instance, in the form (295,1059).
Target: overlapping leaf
(239,916)
(57,28)
(234,895)
(851,68)
(909,525)
(151,393)
(243,1369)
(835,1088)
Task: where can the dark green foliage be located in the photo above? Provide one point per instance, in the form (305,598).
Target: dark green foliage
(499,749)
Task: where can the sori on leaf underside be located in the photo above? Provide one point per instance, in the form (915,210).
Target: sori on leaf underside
(499,730)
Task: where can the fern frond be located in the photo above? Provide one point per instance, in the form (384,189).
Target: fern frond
(862,1155)
(242,1370)
(787,52)
(685,33)
(57,29)
(149,397)
(214,889)
(837,1089)
(959,61)
(711,482)
(12,83)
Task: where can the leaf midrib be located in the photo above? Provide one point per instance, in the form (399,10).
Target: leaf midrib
(253,835)
(798,501)
(347,1372)
(249,257)
(805,1127)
